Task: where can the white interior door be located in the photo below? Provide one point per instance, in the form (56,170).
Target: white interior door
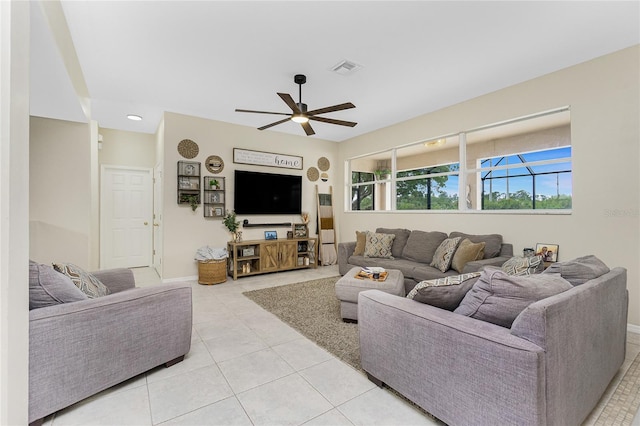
(126,217)
(157,219)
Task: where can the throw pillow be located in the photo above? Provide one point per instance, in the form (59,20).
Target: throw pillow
(493,242)
(422,245)
(361,241)
(444,254)
(402,235)
(90,285)
(523,265)
(579,271)
(444,293)
(48,287)
(467,252)
(499,298)
(379,245)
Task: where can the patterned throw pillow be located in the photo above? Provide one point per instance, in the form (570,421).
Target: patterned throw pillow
(444,254)
(90,285)
(361,241)
(444,293)
(519,266)
(467,252)
(379,245)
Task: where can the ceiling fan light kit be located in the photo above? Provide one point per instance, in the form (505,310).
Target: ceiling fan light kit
(300,114)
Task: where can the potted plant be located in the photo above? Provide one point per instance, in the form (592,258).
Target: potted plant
(193,200)
(229,220)
(214,184)
(382,174)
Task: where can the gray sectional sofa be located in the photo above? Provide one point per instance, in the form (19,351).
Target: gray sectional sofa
(550,367)
(79,346)
(413,251)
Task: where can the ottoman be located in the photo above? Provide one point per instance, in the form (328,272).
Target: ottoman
(348,287)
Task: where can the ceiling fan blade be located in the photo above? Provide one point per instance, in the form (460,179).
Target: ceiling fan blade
(332,121)
(307,128)
(290,102)
(262,112)
(347,105)
(274,124)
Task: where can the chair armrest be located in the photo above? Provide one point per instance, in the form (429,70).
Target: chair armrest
(81,348)
(477,265)
(116,279)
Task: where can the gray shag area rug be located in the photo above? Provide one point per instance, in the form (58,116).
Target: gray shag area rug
(312,308)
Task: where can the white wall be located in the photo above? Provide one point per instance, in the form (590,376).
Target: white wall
(185,231)
(128,149)
(14,212)
(60,196)
(604,98)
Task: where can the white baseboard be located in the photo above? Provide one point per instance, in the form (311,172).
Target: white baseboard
(633,328)
(182,279)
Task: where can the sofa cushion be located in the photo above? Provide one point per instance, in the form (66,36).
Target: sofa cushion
(86,282)
(445,293)
(523,265)
(48,287)
(402,235)
(579,271)
(361,241)
(444,254)
(467,251)
(379,245)
(499,298)
(421,245)
(493,242)
(426,272)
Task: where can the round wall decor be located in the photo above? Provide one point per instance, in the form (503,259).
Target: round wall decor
(188,148)
(214,164)
(313,174)
(324,164)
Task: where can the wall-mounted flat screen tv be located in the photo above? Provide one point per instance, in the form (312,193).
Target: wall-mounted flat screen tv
(267,193)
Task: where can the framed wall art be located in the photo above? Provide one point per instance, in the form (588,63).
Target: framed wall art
(549,252)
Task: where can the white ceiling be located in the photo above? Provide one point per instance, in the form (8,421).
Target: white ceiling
(206,58)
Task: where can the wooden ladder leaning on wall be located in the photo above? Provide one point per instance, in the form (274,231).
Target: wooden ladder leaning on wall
(327,243)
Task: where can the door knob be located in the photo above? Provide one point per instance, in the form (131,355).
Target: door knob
(146,223)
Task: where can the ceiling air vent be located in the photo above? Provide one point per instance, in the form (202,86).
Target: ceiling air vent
(346,67)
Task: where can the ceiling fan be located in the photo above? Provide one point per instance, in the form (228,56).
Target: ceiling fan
(299,112)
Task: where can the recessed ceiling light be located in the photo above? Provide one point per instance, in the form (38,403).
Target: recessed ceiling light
(134,117)
(435,143)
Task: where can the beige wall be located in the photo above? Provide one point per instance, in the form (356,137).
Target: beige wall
(604,98)
(60,193)
(185,231)
(128,149)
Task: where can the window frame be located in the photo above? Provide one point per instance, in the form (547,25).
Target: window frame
(464,173)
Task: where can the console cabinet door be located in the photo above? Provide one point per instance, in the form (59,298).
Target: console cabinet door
(269,257)
(288,254)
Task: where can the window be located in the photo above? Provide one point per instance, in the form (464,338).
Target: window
(519,164)
(362,192)
(527,180)
(428,188)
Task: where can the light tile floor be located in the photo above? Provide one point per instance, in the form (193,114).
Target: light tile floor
(246,367)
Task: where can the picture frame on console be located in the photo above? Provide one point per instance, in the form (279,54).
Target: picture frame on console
(270,235)
(300,230)
(549,252)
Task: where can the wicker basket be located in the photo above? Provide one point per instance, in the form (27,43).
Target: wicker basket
(212,271)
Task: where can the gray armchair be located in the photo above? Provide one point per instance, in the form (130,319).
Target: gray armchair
(81,348)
